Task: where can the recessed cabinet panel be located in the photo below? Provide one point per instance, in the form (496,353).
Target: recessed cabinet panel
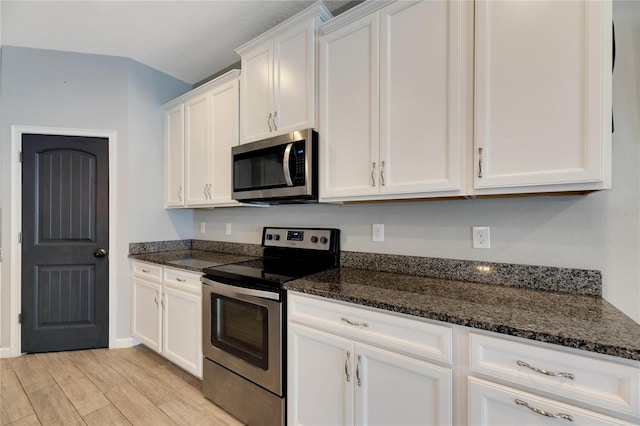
(198,150)
(224,134)
(182,329)
(422,76)
(146,318)
(256,94)
(320,378)
(491,404)
(542,92)
(294,72)
(174,156)
(392,389)
(349,110)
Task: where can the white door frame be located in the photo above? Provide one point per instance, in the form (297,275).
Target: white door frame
(16,224)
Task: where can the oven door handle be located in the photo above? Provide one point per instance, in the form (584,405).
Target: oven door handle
(231,290)
(285,164)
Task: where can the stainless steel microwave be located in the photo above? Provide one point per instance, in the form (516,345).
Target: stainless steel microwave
(278,170)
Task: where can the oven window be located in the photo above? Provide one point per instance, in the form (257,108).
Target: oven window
(241,329)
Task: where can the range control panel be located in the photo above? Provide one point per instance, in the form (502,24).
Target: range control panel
(305,238)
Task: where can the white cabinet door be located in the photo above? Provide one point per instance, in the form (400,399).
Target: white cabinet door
(543,92)
(256,91)
(492,404)
(294,79)
(182,329)
(348,115)
(146,315)
(392,389)
(321,374)
(174,156)
(223,102)
(198,150)
(423,90)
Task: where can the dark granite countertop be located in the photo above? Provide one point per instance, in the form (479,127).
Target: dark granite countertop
(192,260)
(579,321)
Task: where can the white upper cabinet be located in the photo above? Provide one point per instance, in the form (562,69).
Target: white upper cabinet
(200,129)
(174,156)
(543,96)
(224,121)
(394,101)
(198,149)
(279,77)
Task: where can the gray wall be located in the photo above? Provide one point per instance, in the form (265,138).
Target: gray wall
(599,231)
(70,90)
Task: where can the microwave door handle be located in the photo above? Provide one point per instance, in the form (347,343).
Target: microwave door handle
(285,164)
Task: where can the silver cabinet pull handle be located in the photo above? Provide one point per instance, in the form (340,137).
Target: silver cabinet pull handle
(544,413)
(180,194)
(162,301)
(146,271)
(373,174)
(275,125)
(269,122)
(480,162)
(156,300)
(382,173)
(209,190)
(357,324)
(545,372)
(205,191)
(346,366)
(181,280)
(358,371)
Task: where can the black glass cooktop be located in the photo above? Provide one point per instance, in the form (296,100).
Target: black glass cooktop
(272,272)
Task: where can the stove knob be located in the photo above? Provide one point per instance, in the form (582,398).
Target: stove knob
(314,239)
(276,237)
(323,240)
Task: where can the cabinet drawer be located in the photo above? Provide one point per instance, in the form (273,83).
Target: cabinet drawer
(585,379)
(182,280)
(147,271)
(492,404)
(400,334)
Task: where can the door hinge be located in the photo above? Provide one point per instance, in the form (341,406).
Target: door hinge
(20,318)
(19,237)
(20,156)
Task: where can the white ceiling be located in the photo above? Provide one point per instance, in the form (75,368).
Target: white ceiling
(189,40)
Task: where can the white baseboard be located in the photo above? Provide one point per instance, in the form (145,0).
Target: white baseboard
(5,352)
(125,342)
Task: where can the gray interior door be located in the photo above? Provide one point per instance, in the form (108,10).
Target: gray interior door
(65,241)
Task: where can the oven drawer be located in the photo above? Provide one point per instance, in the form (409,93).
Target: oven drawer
(398,333)
(583,379)
(182,280)
(147,271)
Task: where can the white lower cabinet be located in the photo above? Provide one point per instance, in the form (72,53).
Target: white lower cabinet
(336,378)
(538,384)
(492,404)
(166,313)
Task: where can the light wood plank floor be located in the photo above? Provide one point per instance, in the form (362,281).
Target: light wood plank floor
(133,386)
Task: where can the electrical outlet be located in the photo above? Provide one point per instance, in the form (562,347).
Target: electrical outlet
(227,229)
(202,227)
(377,232)
(481,238)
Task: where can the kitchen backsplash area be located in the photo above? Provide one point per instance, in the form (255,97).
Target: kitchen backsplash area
(545,278)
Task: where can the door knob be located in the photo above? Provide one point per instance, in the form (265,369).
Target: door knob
(100,252)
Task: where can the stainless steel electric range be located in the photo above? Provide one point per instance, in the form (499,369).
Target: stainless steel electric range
(244,321)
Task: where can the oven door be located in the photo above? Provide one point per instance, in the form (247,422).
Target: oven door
(243,332)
